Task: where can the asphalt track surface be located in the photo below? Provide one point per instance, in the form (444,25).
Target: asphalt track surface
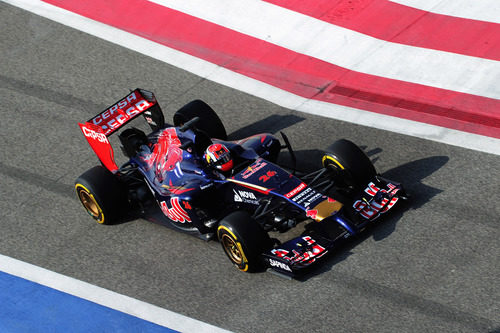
(433,266)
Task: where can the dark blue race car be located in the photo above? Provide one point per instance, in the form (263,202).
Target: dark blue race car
(190,177)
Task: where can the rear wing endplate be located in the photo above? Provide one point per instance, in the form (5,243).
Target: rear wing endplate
(97,129)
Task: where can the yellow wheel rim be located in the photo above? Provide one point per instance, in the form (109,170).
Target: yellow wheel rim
(232,249)
(89,203)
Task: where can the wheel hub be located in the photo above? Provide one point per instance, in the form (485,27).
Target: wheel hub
(89,203)
(232,249)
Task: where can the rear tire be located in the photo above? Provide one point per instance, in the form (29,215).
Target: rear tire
(209,123)
(350,161)
(243,241)
(101,194)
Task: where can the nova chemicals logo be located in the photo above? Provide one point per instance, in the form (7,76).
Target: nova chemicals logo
(245,196)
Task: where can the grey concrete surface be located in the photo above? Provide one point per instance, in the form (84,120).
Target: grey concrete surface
(432,267)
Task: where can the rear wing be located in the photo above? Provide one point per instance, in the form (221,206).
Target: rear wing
(97,129)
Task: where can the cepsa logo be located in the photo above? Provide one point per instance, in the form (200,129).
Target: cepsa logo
(121,112)
(295,190)
(90,133)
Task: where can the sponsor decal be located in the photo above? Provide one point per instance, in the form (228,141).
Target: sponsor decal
(312,199)
(279,264)
(246,197)
(296,190)
(306,196)
(99,144)
(312,213)
(372,209)
(121,112)
(312,252)
(176,213)
(237,197)
(204,187)
(252,169)
(90,133)
(299,198)
(372,189)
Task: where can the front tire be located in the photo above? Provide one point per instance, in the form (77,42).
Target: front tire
(101,194)
(243,241)
(350,161)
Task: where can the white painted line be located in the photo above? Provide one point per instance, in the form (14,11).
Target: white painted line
(348,48)
(482,10)
(234,80)
(105,297)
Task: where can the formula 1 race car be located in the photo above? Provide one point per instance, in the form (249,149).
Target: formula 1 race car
(190,177)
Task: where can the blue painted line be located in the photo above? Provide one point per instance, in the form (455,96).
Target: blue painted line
(27,306)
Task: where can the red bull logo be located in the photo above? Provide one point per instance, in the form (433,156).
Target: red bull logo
(176,213)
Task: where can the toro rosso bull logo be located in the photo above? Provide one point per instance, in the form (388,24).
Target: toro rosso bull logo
(166,154)
(176,213)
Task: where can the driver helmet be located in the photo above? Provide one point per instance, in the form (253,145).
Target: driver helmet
(218,156)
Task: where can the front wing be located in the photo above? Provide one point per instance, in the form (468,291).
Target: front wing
(292,257)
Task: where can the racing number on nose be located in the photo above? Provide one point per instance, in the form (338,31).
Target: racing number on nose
(267,176)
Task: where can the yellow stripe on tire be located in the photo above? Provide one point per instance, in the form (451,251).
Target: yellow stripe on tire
(331,158)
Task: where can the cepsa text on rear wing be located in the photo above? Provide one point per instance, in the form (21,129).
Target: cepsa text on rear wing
(97,129)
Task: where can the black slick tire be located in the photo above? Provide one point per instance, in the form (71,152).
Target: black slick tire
(243,241)
(351,161)
(209,123)
(101,194)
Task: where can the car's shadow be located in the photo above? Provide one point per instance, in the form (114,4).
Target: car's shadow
(410,175)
